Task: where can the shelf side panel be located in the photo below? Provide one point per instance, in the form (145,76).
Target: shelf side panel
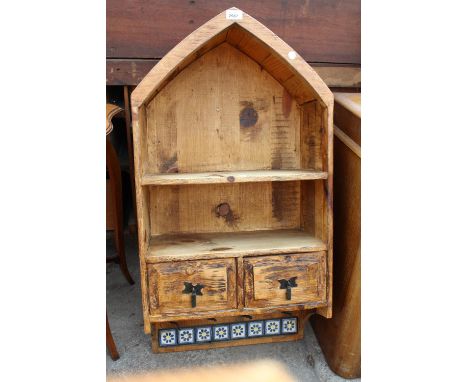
(313,150)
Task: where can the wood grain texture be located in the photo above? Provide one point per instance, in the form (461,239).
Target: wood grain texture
(224,319)
(231,100)
(257,42)
(340,337)
(262,275)
(350,101)
(132,71)
(338,76)
(166,283)
(232,177)
(320,31)
(352,145)
(200,121)
(142,199)
(308,308)
(240,282)
(347,115)
(313,137)
(111,111)
(224,207)
(327,203)
(177,247)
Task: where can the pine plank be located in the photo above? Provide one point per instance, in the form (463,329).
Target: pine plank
(231,177)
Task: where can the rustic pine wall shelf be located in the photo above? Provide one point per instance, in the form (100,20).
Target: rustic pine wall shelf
(233,169)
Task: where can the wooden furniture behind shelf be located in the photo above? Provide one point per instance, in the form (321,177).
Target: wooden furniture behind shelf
(110,342)
(327,34)
(340,337)
(233,170)
(115,214)
(115,203)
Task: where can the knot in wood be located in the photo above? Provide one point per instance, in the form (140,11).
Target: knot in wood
(248,117)
(223,209)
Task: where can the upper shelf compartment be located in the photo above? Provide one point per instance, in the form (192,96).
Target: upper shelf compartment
(232,177)
(242,101)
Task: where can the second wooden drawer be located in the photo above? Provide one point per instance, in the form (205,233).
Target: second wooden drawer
(284,279)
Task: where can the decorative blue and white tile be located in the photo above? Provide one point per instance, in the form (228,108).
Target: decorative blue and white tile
(289,325)
(186,336)
(228,331)
(255,329)
(203,334)
(167,337)
(221,332)
(272,327)
(238,330)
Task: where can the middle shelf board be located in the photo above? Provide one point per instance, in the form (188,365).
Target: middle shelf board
(208,245)
(231,177)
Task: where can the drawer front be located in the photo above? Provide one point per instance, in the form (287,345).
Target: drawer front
(285,279)
(207,284)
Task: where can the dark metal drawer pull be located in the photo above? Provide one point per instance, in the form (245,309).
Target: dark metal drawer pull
(194,290)
(288,284)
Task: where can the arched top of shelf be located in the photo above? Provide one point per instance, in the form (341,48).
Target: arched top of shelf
(251,38)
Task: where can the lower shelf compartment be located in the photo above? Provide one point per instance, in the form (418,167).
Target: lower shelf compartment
(206,245)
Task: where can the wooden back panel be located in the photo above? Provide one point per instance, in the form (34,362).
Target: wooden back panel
(223,112)
(244,207)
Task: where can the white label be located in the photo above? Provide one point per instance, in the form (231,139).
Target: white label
(292,55)
(234,14)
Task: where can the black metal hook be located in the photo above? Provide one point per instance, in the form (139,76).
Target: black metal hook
(194,290)
(288,284)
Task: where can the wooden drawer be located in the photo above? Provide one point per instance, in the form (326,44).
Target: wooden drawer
(263,288)
(167,283)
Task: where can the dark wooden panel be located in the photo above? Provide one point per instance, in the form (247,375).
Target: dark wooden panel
(320,30)
(127,72)
(340,337)
(132,71)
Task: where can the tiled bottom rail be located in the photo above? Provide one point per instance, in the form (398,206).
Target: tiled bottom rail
(227,332)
